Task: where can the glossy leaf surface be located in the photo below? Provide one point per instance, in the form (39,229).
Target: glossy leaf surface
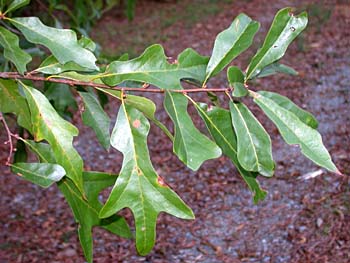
(294,131)
(61,42)
(190,145)
(42,174)
(12,101)
(218,122)
(16,4)
(138,186)
(235,78)
(51,66)
(253,142)
(48,125)
(12,51)
(231,42)
(276,68)
(152,67)
(87,208)
(284,29)
(86,211)
(289,105)
(146,106)
(95,117)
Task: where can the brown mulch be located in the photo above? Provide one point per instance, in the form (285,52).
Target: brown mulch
(300,220)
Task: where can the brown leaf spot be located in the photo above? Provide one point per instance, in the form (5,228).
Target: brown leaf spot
(136,123)
(19,174)
(161,182)
(138,171)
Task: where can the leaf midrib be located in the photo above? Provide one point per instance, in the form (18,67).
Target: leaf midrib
(232,47)
(76,175)
(250,138)
(300,141)
(268,51)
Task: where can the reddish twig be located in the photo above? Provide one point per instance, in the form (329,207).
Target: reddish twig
(9,139)
(15,75)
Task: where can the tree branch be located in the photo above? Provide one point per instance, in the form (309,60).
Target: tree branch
(9,139)
(15,75)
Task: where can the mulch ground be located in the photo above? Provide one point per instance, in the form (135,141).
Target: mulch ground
(301,220)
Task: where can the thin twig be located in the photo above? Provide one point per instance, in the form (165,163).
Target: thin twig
(9,28)
(9,139)
(15,75)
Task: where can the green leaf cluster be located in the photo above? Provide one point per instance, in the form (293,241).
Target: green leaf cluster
(232,131)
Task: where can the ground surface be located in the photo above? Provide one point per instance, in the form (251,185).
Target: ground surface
(300,220)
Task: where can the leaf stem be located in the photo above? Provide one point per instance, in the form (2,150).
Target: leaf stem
(9,139)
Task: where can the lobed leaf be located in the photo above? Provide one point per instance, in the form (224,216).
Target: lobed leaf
(294,131)
(284,29)
(95,117)
(152,67)
(42,174)
(287,104)
(138,185)
(12,101)
(12,51)
(190,145)
(253,142)
(61,42)
(48,125)
(230,43)
(218,122)
(85,209)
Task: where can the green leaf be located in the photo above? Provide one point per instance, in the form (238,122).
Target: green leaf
(86,211)
(253,142)
(51,66)
(12,101)
(287,104)
(138,185)
(21,155)
(284,29)
(61,42)
(235,78)
(12,51)
(230,43)
(152,67)
(42,174)
(72,75)
(218,122)
(146,106)
(87,43)
(294,131)
(16,4)
(276,68)
(48,125)
(95,117)
(191,146)
(130,9)
(61,97)
(42,150)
